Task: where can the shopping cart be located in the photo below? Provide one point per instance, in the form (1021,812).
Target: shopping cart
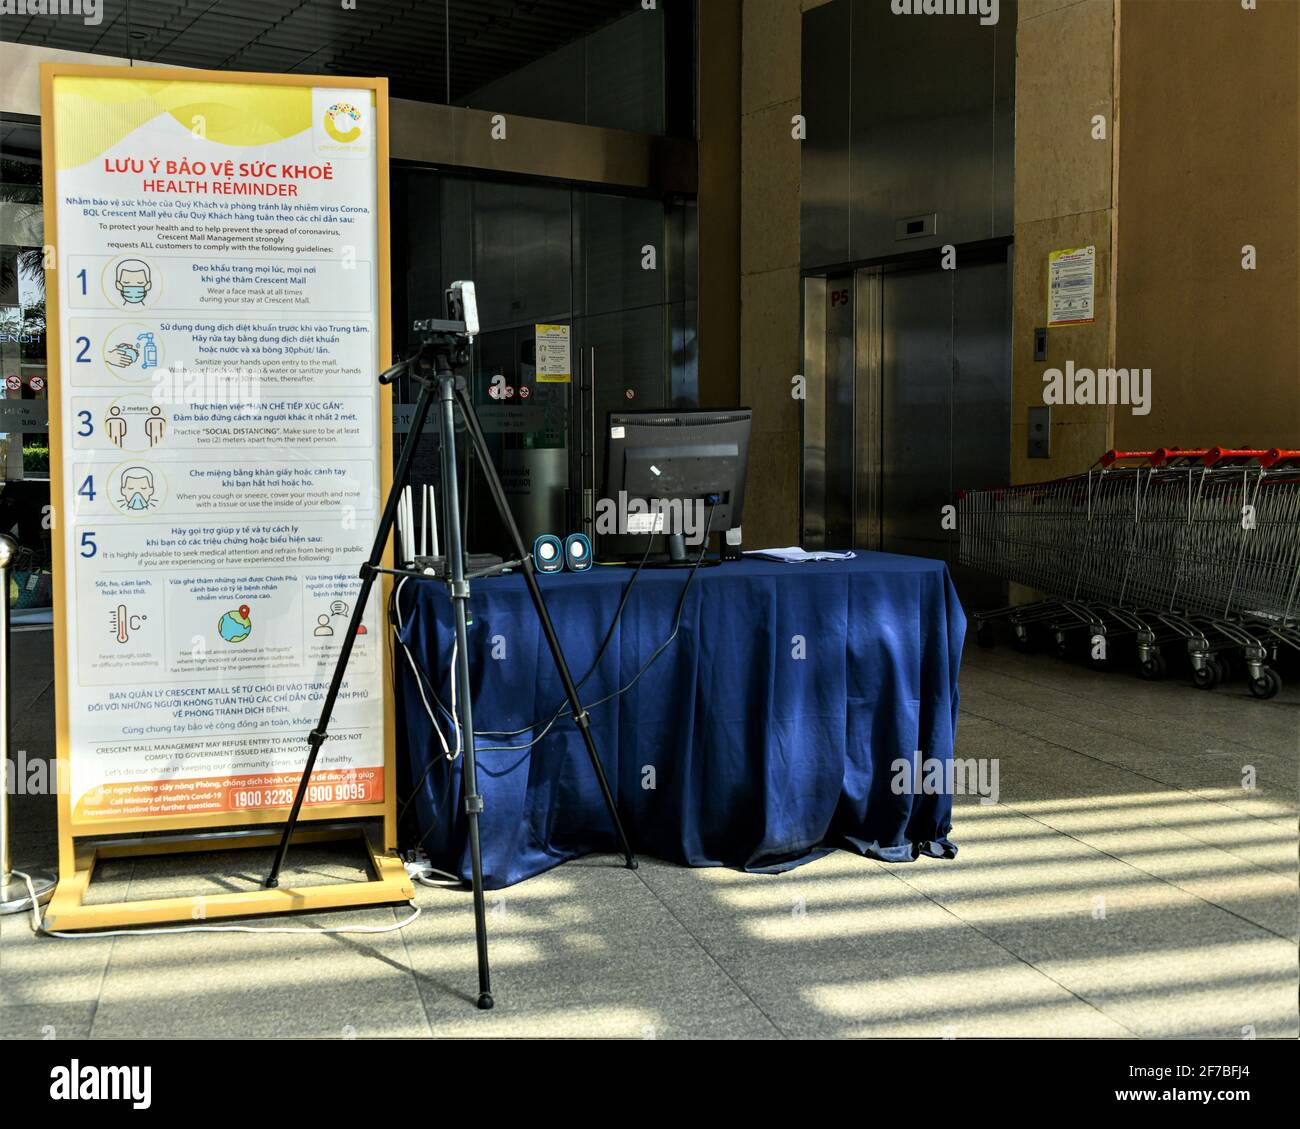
(1199,548)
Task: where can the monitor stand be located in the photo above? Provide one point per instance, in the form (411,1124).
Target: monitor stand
(678,556)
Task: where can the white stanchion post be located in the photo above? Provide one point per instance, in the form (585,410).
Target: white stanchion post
(14,893)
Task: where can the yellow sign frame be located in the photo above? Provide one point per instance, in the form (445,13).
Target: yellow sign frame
(389,884)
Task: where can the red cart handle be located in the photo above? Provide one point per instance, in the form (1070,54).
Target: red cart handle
(1155,458)
(1110,458)
(1217,455)
(1278,455)
(1169,454)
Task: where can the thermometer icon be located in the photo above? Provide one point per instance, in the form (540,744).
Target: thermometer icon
(124,623)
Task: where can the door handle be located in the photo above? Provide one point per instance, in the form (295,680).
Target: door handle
(590,471)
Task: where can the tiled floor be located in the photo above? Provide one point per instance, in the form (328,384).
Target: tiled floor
(1125,884)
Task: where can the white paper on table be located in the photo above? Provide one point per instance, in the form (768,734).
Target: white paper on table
(795,555)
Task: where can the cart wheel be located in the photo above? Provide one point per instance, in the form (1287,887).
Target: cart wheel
(1061,644)
(1154,668)
(984,634)
(1023,643)
(1207,678)
(1267,685)
(1224,667)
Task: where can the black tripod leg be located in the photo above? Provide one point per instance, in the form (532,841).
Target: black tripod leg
(368,574)
(459,603)
(548,628)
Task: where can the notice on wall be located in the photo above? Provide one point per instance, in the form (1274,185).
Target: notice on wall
(554,355)
(1071,286)
(219,325)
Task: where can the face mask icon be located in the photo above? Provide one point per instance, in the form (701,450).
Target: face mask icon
(134,281)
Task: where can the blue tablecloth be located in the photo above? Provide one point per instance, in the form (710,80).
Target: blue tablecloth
(766,734)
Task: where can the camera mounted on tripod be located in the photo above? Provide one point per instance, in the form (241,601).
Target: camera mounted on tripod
(442,345)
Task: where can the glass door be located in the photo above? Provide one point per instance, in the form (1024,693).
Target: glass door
(24,405)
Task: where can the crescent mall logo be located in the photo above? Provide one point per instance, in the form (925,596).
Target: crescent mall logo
(343,122)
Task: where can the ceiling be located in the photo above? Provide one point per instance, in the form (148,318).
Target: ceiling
(405,40)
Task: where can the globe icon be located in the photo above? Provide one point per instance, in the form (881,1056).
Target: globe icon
(236,626)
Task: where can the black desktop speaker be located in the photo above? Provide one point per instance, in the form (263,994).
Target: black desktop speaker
(577,553)
(548,553)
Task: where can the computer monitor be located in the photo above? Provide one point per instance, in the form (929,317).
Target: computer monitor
(665,472)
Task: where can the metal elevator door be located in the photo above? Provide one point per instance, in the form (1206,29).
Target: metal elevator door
(908,401)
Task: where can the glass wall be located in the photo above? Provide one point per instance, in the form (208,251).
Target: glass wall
(24,426)
(594,62)
(614,77)
(618,271)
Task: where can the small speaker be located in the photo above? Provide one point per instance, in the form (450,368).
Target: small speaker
(577,553)
(548,553)
(732,545)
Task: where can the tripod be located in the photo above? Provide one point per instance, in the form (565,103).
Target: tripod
(444,349)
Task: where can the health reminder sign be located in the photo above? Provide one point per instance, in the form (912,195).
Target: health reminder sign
(221,246)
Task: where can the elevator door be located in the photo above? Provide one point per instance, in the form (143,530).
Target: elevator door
(916,389)
(908,402)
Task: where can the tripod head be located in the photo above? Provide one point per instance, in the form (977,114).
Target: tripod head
(442,345)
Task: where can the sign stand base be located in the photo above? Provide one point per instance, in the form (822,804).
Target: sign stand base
(68,912)
(15,895)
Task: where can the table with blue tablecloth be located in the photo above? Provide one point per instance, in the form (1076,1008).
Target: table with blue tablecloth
(771,729)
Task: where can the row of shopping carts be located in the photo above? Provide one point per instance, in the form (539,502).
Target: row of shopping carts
(1195,549)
